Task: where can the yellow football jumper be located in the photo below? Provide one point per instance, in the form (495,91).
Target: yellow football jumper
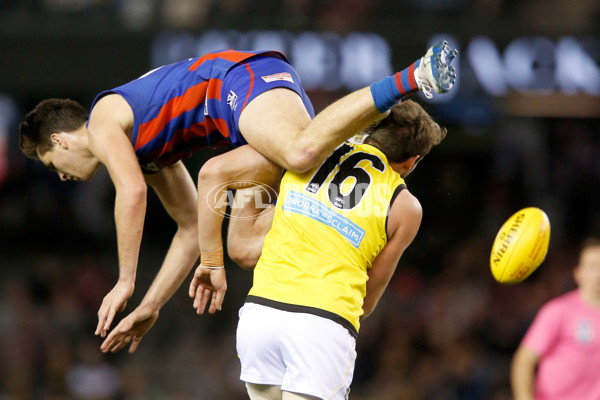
(329,225)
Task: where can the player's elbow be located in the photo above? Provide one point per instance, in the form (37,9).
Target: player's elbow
(134,193)
(245,263)
(245,258)
(244,252)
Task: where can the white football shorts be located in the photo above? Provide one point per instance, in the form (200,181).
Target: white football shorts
(301,352)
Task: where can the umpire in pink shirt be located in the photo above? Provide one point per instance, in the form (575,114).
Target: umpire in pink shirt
(559,357)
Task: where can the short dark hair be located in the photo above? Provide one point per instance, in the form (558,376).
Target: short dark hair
(406,132)
(588,243)
(49,116)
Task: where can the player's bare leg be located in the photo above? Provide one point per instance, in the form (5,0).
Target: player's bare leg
(273,392)
(278,126)
(297,396)
(263,392)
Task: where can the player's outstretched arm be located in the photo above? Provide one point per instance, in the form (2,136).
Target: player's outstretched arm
(177,192)
(403,224)
(237,169)
(109,142)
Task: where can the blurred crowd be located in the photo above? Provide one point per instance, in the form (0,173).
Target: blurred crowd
(444,330)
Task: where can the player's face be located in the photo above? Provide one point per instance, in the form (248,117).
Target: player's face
(69,164)
(588,271)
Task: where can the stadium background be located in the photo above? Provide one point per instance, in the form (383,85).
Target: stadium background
(523,127)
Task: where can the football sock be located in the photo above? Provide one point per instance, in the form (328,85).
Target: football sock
(391,89)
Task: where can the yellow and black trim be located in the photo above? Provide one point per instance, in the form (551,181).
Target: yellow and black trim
(304,309)
(397,191)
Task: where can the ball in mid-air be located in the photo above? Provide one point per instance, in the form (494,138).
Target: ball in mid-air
(520,245)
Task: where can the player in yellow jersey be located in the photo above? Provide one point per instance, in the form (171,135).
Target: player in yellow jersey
(337,235)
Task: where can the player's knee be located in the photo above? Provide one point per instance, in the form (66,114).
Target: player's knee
(302,159)
(209,170)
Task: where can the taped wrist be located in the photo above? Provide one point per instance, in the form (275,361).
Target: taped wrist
(391,89)
(212,258)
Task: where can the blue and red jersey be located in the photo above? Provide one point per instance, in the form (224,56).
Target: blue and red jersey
(182,107)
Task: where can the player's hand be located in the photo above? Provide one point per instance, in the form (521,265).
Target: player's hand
(131,329)
(114,301)
(208,284)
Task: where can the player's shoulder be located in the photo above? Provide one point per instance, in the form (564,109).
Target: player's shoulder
(111,108)
(110,99)
(406,212)
(406,202)
(111,104)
